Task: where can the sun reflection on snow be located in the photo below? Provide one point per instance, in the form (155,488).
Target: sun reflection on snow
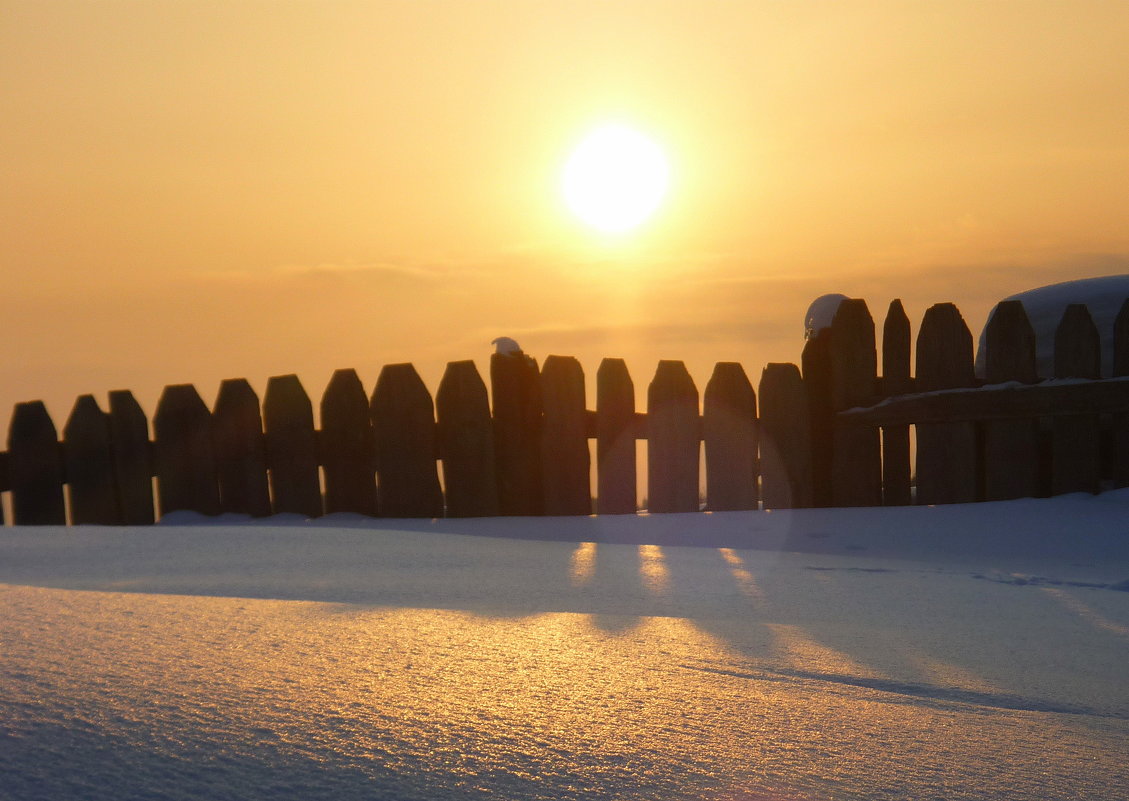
(583,564)
(745,581)
(653,569)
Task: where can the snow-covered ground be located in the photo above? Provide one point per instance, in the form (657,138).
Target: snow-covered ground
(961,652)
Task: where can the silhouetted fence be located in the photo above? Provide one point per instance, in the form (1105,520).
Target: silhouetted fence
(836,434)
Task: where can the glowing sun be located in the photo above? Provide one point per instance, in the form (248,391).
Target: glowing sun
(615,179)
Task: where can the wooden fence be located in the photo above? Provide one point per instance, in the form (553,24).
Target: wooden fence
(837,433)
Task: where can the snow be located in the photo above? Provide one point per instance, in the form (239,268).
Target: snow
(952,652)
(1103,296)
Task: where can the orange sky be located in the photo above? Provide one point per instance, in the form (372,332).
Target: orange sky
(200,190)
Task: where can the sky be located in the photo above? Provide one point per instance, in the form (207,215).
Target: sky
(200,190)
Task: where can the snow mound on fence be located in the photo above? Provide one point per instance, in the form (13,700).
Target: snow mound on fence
(1044,306)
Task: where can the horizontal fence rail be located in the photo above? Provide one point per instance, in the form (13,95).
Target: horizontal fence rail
(833,431)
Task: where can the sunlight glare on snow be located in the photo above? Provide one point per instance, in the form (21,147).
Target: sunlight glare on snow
(652,567)
(583,563)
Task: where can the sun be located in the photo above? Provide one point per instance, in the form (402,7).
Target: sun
(615,179)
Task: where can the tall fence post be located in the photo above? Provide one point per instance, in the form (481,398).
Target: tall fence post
(347,443)
(729,430)
(403,419)
(1120,422)
(856,458)
(35,467)
(186,471)
(946,452)
(785,438)
(89,465)
(615,439)
(292,452)
(241,462)
(896,381)
(816,362)
(516,389)
(466,442)
(1011,447)
(673,440)
(1076,439)
(133,458)
(565,461)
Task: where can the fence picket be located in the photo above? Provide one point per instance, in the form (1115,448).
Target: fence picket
(89,465)
(292,448)
(673,436)
(1011,447)
(466,442)
(133,458)
(185,465)
(896,381)
(516,388)
(241,462)
(615,439)
(403,418)
(565,461)
(946,452)
(1076,439)
(729,429)
(816,361)
(856,454)
(348,455)
(1120,422)
(785,438)
(35,467)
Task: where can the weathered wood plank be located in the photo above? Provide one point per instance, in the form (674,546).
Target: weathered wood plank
(615,439)
(946,452)
(896,381)
(516,390)
(565,460)
(403,418)
(729,429)
(291,447)
(466,442)
(240,450)
(133,458)
(1011,447)
(35,467)
(856,458)
(785,439)
(816,361)
(673,440)
(182,448)
(348,446)
(1120,422)
(1076,439)
(88,460)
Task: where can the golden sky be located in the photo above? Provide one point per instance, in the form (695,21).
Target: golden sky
(195,190)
